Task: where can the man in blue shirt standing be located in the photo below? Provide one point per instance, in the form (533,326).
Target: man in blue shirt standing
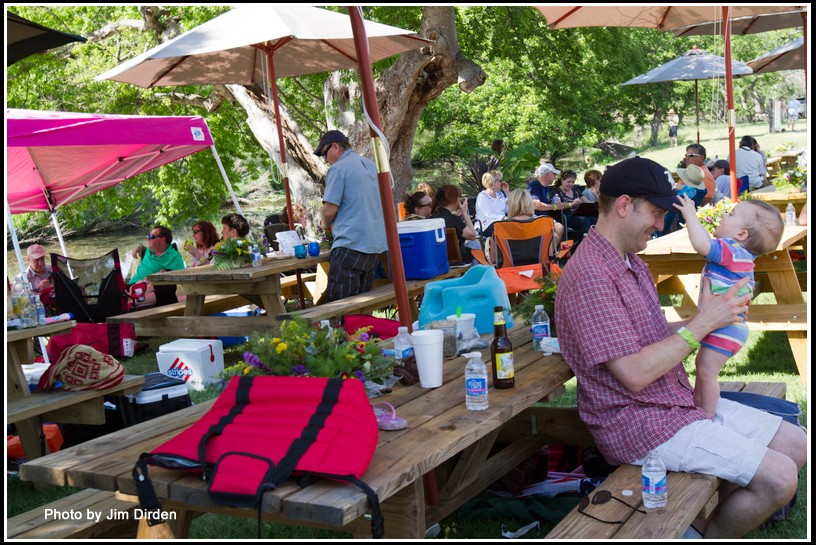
(353,211)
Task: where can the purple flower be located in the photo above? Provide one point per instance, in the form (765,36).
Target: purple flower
(254,361)
(359,375)
(299,370)
(365,337)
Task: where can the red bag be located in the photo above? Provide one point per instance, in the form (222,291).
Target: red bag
(380,327)
(261,430)
(106,338)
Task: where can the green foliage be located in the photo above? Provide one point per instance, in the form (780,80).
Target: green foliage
(304,349)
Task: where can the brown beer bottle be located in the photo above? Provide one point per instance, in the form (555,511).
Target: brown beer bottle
(501,352)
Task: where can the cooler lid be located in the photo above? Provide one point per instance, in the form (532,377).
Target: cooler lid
(182,345)
(179,390)
(420,226)
(154,381)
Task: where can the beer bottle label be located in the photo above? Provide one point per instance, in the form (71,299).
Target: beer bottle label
(504,365)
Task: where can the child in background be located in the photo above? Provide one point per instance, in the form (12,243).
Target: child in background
(751,229)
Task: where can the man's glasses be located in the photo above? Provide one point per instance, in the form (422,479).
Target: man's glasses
(325,152)
(694,155)
(601,497)
(151,236)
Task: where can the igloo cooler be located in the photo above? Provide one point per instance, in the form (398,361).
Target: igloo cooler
(424,249)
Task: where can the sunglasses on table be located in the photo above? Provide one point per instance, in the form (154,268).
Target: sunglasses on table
(600,497)
(694,155)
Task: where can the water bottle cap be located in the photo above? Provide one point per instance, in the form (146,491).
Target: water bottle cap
(539,307)
(471,355)
(402,329)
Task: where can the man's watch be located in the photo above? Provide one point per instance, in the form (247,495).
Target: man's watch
(693,343)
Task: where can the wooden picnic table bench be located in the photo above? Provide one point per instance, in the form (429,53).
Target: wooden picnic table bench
(690,495)
(379,297)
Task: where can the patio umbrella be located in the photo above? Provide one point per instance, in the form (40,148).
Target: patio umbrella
(751,24)
(24,38)
(693,65)
(251,44)
(790,56)
(667,18)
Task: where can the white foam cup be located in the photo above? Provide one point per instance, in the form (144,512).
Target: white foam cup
(428,354)
(464,325)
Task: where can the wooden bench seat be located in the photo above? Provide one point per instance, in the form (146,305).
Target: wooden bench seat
(42,523)
(76,407)
(379,297)
(690,495)
(213,304)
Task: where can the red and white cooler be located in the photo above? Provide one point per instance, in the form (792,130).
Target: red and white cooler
(196,361)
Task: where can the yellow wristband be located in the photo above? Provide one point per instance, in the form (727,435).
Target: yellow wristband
(693,343)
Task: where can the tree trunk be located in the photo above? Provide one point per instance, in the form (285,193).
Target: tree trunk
(403,91)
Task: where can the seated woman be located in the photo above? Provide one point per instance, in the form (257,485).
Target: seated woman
(300,219)
(491,203)
(565,190)
(418,206)
(592,179)
(204,238)
(234,226)
(452,207)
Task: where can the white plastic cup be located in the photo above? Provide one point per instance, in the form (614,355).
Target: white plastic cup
(428,354)
(465,325)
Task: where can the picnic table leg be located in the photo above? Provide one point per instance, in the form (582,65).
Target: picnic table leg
(786,289)
(404,515)
(176,527)
(30,429)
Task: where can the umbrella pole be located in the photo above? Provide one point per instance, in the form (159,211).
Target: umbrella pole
(273,85)
(697,103)
(729,91)
(383,168)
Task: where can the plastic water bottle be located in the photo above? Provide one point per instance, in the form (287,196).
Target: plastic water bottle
(40,310)
(325,324)
(475,382)
(655,489)
(256,256)
(556,200)
(403,346)
(790,215)
(540,323)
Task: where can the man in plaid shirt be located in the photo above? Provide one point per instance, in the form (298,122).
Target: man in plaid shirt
(633,391)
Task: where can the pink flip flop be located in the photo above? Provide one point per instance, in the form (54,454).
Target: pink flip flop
(387,418)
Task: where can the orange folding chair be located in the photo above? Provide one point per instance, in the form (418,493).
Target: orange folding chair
(522,251)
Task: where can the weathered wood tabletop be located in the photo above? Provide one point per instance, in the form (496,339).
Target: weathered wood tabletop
(454,447)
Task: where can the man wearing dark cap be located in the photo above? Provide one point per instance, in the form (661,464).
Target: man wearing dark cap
(353,211)
(38,274)
(633,391)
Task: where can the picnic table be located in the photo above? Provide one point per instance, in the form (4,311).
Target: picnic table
(27,411)
(446,454)
(780,200)
(259,285)
(676,269)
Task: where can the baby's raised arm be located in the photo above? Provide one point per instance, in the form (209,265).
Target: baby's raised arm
(699,237)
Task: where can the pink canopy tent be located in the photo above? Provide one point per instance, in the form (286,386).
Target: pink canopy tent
(55,158)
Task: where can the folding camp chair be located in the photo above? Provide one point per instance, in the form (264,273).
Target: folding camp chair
(90,289)
(522,251)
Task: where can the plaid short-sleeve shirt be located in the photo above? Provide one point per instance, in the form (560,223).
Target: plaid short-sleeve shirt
(607,307)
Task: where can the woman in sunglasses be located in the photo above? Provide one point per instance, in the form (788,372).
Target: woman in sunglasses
(204,238)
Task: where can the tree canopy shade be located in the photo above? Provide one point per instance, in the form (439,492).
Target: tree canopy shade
(54,158)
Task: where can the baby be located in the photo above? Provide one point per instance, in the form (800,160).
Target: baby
(750,229)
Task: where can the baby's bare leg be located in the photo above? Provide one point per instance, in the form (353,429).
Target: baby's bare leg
(706,389)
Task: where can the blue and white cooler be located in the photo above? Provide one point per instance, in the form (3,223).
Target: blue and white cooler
(424,249)
(196,361)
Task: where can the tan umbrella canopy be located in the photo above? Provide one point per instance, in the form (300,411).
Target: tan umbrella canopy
(253,44)
(667,18)
(790,56)
(751,24)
